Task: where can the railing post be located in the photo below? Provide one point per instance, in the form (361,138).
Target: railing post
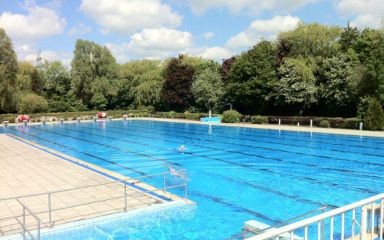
(322,227)
(363,223)
(38,229)
(24,222)
(125,198)
(50,209)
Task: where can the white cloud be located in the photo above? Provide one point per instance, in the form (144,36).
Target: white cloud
(213,53)
(208,36)
(79,29)
(39,22)
(155,43)
(366,13)
(129,16)
(27,29)
(29,53)
(262,29)
(161,43)
(253,6)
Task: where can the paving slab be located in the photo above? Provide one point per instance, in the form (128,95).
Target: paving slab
(75,192)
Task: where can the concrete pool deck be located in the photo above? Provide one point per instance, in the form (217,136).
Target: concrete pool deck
(340,131)
(77,191)
(277,127)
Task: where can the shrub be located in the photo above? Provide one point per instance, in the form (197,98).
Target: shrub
(324,124)
(374,119)
(259,119)
(171,114)
(187,115)
(31,103)
(351,123)
(231,116)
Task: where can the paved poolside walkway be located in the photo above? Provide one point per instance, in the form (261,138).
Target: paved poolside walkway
(26,170)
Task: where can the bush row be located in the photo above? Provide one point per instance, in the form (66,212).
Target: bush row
(230,116)
(68,116)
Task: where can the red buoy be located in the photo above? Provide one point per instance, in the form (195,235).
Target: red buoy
(101,115)
(22,118)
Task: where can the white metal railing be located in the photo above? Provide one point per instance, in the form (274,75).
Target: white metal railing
(24,225)
(173,177)
(361,225)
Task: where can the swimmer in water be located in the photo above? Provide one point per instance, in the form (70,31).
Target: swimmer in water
(182,148)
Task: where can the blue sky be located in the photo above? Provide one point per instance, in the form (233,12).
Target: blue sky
(156,29)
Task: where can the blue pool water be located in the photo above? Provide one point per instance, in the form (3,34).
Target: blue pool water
(235,174)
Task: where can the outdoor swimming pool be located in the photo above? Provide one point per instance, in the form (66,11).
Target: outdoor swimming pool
(235,174)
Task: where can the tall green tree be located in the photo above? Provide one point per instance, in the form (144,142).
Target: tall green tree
(94,71)
(57,87)
(340,78)
(8,72)
(207,89)
(349,38)
(251,78)
(309,40)
(176,91)
(141,83)
(296,87)
(23,79)
(370,48)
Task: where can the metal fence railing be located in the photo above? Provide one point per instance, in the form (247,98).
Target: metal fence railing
(359,220)
(123,194)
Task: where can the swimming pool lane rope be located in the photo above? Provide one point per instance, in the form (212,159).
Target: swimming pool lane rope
(248,167)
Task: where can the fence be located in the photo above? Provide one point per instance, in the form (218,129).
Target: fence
(359,220)
(28,214)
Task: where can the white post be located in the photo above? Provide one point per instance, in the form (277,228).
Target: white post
(61,121)
(361,126)
(44,122)
(311,123)
(279,121)
(78,120)
(5,123)
(210,113)
(363,224)
(298,124)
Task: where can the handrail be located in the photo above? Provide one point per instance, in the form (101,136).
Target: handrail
(177,179)
(122,181)
(23,224)
(318,218)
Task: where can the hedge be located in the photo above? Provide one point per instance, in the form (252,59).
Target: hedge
(349,123)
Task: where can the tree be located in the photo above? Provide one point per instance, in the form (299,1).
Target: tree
(348,38)
(23,77)
(8,71)
(176,91)
(226,68)
(251,78)
(207,89)
(296,87)
(374,119)
(370,49)
(31,103)
(93,62)
(141,83)
(57,88)
(309,40)
(29,78)
(340,78)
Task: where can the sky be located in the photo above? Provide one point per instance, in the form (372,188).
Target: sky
(157,29)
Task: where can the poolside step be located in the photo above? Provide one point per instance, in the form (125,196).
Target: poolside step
(253,227)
